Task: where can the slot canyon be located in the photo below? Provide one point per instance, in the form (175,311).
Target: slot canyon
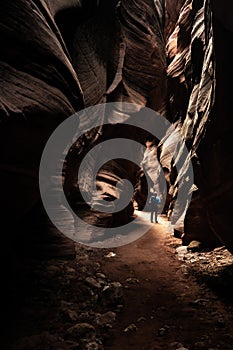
(170,288)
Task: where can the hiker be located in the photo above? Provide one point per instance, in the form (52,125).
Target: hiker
(154,201)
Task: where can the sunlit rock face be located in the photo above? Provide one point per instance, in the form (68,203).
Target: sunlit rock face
(191,74)
(188,34)
(199,76)
(172,12)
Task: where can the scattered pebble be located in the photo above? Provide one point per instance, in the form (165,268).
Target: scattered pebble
(132,280)
(194,246)
(100,275)
(92,282)
(94,346)
(163,330)
(69,315)
(132,327)
(110,255)
(112,294)
(81,331)
(106,319)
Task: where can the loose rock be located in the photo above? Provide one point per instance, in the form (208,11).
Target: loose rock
(69,315)
(94,346)
(130,328)
(81,331)
(112,294)
(106,319)
(92,282)
(132,280)
(194,246)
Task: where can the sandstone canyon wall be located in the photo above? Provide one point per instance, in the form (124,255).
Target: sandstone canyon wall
(172,56)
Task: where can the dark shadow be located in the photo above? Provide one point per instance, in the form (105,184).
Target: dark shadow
(220,282)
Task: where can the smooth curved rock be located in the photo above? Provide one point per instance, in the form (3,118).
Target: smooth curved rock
(54,62)
(200,73)
(59,56)
(39,89)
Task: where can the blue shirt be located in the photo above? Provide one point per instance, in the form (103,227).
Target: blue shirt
(154,200)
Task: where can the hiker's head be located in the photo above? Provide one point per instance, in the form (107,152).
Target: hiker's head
(155,193)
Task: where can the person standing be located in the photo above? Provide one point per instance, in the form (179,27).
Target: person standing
(154,201)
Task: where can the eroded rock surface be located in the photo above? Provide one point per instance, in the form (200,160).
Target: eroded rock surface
(170,56)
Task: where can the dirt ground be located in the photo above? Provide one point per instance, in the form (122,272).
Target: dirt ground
(146,295)
(167,302)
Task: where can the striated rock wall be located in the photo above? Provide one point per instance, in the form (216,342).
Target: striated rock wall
(215,152)
(199,76)
(191,74)
(39,89)
(173,56)
(58,57)
(172,12)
